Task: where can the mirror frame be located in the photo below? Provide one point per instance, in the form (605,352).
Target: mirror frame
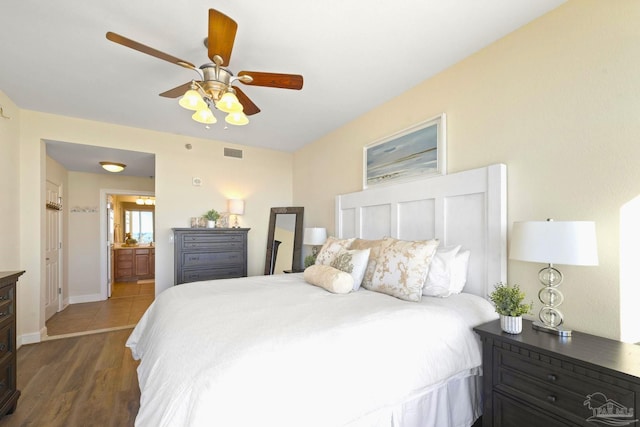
(297,239)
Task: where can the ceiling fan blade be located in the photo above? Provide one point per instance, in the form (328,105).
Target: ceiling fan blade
(249,108)
(117,38)
(177,91)
(283,81)
(222,34)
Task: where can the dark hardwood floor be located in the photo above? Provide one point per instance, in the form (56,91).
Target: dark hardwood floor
(83,381)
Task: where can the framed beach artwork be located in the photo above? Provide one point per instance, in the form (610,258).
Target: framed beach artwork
(413,153)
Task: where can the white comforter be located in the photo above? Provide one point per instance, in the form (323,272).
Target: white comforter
(275,351)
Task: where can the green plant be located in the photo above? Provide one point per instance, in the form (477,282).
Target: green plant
(212,215)
(508,300)
(309,260)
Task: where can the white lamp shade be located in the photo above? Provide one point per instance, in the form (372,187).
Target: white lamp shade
(235,206)
(191,100)
(237,119)
(555,242)
(204,116)
(229,103)
(314,236)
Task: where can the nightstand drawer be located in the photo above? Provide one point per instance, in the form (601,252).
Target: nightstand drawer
(552,383)
(509,413)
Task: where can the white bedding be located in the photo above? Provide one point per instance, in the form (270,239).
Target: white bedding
(276,351)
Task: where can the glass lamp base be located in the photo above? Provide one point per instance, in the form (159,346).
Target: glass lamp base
(555,330)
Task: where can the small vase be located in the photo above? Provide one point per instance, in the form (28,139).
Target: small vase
(211,224)
(511,324)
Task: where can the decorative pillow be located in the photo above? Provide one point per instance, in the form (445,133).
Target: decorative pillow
(353,262)
(330,249)
(329,278)
(401,269)
(459,271)
(439,276)
(374,246)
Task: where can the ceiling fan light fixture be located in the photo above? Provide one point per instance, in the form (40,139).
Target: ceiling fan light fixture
(204,116)
(229,103)
(113,166)
(237,119)
(191,100)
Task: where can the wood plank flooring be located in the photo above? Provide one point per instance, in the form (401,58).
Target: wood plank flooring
(80,381)
(125,307)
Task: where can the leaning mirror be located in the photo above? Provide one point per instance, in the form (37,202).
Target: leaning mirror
(284,240)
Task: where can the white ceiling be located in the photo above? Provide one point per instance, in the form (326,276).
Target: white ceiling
(354,55)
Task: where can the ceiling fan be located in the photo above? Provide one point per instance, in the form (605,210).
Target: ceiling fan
(215,86)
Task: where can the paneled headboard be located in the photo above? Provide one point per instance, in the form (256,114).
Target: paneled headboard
(466,208)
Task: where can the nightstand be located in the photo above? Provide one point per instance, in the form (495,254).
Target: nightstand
(539,379)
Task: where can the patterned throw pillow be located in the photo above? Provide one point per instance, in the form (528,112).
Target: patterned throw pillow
(352,262)
(331,248)
(374,246)
(401,268)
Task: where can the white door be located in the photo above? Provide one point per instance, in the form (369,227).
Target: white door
(53,251)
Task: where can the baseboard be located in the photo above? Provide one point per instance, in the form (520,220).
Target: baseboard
(85,298)
(32,338)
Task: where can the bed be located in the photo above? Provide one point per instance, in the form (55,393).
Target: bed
(280,351)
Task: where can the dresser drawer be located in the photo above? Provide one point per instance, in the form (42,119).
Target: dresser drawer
(210,274)
(6,342)
(7,379)
(213,241)
(6,310)
(190,260)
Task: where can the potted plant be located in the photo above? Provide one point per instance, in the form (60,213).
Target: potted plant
(211,217)
(508,302)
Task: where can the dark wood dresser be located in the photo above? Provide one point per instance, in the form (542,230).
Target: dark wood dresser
(538,379)
(209,253)
(9,392)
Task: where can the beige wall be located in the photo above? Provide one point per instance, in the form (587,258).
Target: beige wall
(262,178)
(558,102)
(9,177)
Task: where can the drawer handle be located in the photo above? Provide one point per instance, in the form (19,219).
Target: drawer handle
(3,313)
(4,297)
(3,346)
(551,398)
(552,377)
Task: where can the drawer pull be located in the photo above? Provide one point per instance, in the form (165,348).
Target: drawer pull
(3,313)
(551,398)
(4,297)
(552,377)
(3,346)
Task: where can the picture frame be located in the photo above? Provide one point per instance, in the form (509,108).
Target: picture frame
(415,152)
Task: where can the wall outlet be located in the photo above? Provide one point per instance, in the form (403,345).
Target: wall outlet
(196,181)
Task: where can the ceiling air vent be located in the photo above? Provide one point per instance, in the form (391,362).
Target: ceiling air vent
(232,152)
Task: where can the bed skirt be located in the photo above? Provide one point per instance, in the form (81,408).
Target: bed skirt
(454,403)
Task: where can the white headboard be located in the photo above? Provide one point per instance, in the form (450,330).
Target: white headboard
(466,208)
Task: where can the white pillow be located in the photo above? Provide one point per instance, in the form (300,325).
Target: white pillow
(330,249)
(329,278)
(439,277)
(401,268)
(459,271)
(353,262)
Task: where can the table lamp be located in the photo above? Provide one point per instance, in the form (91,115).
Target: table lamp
(553,242)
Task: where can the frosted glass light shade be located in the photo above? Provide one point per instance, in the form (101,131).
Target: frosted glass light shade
(191,100)
(314,236)
(555,242)
(204,116)
(235,206)
(229,103)
(112,166)
(237,119)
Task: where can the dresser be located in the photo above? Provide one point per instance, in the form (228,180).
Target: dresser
(209,253)
(539,379)
(8,388)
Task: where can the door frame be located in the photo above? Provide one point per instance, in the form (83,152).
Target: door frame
(104,267)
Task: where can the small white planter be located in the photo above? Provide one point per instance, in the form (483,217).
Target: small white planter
(211,224)
(511,324)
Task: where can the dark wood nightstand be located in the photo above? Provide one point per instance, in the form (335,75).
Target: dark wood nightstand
(538,379)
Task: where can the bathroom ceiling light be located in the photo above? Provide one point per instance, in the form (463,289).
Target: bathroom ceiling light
(113,166)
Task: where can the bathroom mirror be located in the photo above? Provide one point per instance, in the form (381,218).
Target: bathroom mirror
(284,240)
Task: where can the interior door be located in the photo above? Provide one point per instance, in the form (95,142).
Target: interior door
(52,251)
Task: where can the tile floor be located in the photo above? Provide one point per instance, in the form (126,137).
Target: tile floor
(128,302)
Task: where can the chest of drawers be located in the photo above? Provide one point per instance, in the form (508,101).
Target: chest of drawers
(9,393)
(538,379)
(209,253)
